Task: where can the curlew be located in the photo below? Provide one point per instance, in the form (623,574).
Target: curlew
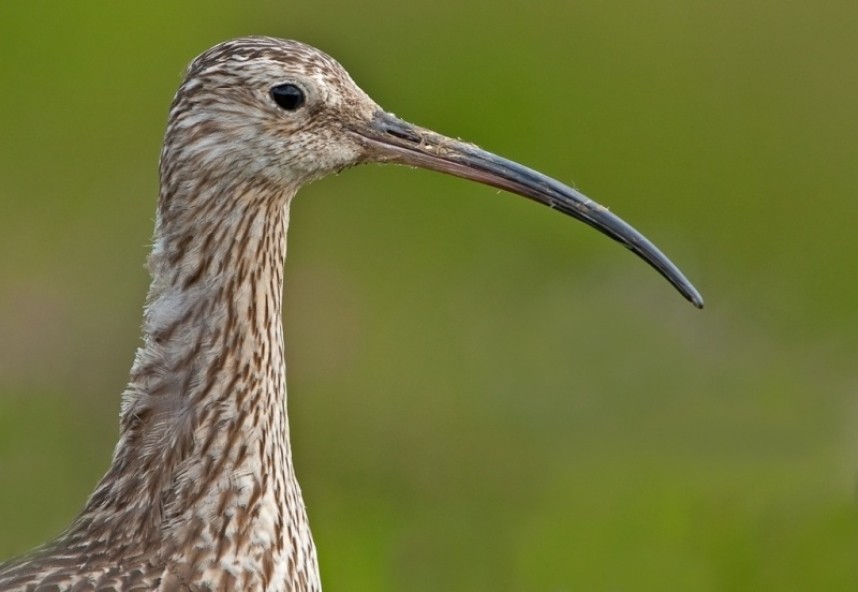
(201,493)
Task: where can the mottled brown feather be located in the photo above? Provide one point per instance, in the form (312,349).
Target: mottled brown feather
(201,493)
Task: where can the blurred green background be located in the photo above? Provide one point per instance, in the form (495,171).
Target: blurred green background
(485,395)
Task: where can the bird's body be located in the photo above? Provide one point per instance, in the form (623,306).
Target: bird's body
(201,493)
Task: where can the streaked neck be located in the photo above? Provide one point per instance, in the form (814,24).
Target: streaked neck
(203,468)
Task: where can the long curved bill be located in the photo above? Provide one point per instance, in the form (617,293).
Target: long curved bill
(390,139)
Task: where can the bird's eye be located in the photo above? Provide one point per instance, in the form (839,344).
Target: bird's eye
(288,96)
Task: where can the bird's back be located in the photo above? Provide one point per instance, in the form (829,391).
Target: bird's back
(57,567)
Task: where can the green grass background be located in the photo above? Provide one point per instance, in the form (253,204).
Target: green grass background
(484,394)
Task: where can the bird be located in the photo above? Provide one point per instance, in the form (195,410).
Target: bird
(201,493)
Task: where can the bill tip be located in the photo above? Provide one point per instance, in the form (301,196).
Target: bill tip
(696,299)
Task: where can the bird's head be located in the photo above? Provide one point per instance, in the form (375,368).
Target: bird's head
(265,111)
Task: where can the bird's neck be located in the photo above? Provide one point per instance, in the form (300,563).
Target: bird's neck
(203,464)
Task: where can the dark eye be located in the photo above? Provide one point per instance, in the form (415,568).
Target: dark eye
(288,96)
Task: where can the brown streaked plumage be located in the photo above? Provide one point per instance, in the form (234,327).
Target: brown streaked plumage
(201,493)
